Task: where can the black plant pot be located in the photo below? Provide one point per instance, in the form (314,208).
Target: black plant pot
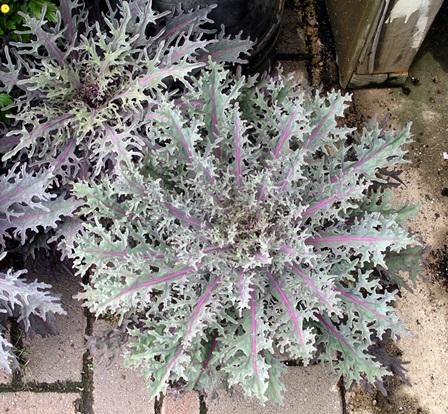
(257,19)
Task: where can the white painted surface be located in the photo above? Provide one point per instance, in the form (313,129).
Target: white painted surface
(405,9)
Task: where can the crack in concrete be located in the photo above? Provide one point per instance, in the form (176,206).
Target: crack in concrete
(158,404)
(342,394)
(62,387)
(87,363)
(202,404)
(16,335)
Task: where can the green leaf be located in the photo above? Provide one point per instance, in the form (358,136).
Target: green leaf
(5,100)
(409,260)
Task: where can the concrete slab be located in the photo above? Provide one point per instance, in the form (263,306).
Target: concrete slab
(116,389)
(38,403)
(187,404)
(58,357)
(309,390)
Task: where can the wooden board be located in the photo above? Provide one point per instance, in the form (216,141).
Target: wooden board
(351,23)
(369,80)
(405,27)
(378,37)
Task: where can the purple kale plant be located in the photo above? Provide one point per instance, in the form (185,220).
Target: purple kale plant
(249,228)
(82,96)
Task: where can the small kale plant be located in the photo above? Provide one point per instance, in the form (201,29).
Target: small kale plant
(82,94)
(247,229)
(25,301)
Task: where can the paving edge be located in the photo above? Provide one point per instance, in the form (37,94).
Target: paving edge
(342,395)
(158,404)
(87,363)
(202,404)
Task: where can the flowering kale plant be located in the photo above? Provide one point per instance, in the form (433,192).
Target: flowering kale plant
(83,93)
(247,229)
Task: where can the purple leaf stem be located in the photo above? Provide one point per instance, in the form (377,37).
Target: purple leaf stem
(66,14)
(294,316)
(200,305)
(195,315)
(331,329)
(183,217)
(64,155)
(153,281)
(316,131)
(253,341)
(360,302)
(285,134)
(311,283)
(346,238)
(237,148)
